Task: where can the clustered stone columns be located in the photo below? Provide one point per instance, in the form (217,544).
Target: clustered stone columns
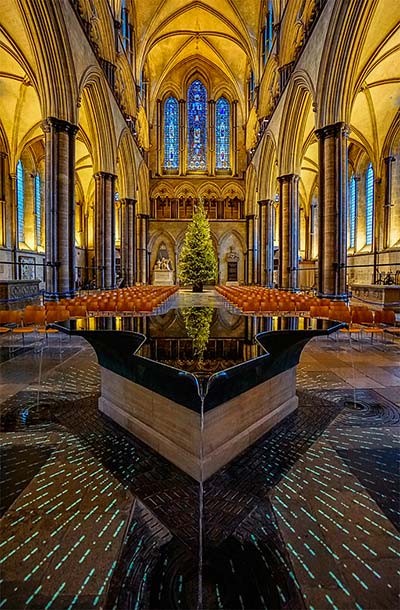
(266,243)
(105,229)
(60,207)
(251,260)
(182,136)
(142,271)
(387,204)
(332,255)
(289,231)
(235,150)
(128,239)
(159,139)
(211,137)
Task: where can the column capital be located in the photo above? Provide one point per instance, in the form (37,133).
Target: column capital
(104,176)
(388,160)
(265,202)
(288,178)
(332,131)
(59,125)
(130,201)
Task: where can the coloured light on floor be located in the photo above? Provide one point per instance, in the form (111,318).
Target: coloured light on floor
(285,459)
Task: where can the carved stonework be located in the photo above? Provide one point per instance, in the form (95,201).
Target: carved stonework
(15,294)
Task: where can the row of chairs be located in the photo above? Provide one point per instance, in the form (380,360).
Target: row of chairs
(360,319)
(125,301)
(256,299)
(35,318)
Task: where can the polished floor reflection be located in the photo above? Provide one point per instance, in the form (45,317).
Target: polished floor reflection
(307,517)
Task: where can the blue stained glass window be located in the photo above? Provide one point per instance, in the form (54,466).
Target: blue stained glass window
(223,134)
(352,211)
(20,201)
(38,210)
(267,33)
(197,126)
(171,133)
(369,204)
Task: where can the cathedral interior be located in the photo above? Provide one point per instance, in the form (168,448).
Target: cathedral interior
(117,118)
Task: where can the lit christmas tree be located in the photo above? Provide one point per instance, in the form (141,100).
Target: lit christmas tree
(198,263)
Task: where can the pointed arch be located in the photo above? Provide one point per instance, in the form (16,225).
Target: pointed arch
(298,105)
(268,168)
(143,204)
(197,126)
(126,166)
(171,133)
(223,134)
(93,88)
(56,77)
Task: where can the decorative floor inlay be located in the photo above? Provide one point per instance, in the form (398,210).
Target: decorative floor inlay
(307,517)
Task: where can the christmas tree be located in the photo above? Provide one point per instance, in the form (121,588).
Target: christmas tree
(197,323)
(197,262)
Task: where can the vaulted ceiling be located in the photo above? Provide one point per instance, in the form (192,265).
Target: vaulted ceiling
(222,34)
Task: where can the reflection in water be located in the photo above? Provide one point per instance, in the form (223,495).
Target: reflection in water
(197,323)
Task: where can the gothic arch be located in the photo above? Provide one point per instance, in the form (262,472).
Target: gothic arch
(126,166)
(298,118)
(162,189)
(93,92)
(225,236)
(56,78)
(268,168)
(143,204)
(348,30)
(231,190)
(185,190)
(209,190)
(251,190)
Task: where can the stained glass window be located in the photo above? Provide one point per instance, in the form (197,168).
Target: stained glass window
(171,134)
(197,127)
(352,211)
(20,202)
(267,33)
(223,135)
(369,204)
(38,210)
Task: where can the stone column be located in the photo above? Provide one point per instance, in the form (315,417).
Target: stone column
(288,231)
(251,249)
(211,136)
(182,137)
(131,240)
(234,158)
(388,203)
(262,240)
(14,223)
(266,243)
(332,251)
(60,207)
(159,139)
(174,208)
(4,241)
(269,243)
(220,209)
(105,230)
(142,270)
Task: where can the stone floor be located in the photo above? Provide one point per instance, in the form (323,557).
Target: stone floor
(308,517)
